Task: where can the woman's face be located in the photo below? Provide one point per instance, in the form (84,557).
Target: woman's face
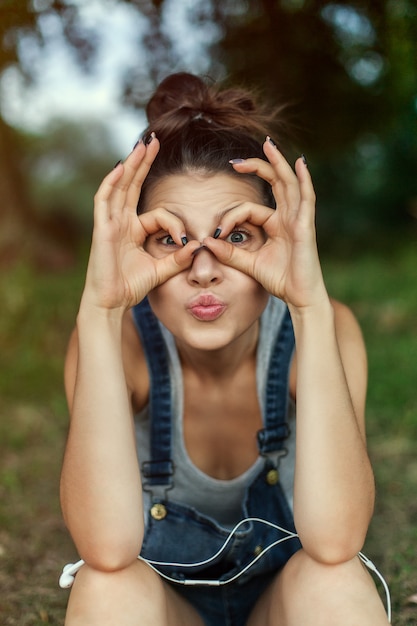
(210,305)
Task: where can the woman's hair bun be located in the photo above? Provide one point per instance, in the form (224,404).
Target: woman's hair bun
(202,126)
(177,91)
(183,98)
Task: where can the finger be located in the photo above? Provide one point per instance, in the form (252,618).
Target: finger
(273,171)
(138,162)
(177,262)
(112,194)
(285,191)
(308,196)
(279,162)
(135,168)
(102,208)
(305,180)
(261,168)
(229,254)
(161,219)
(249,212)
(277,172)
(124,192)
(140,170)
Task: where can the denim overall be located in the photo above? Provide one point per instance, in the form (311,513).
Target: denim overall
(176,533)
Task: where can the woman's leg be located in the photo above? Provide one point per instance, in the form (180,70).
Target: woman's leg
(313,594)
(130,597)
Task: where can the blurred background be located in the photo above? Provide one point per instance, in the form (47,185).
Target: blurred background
(74,77)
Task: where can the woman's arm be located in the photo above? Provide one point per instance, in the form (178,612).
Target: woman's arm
(100,483)
(334,488)
(100,486)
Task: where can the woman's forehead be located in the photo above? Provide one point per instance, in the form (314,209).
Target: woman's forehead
(218,191)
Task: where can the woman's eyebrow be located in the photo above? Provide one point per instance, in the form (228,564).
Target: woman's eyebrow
(221,214)
(218,216)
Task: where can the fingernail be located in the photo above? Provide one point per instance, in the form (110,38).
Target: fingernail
(271,141)
(304,160)
(150,138)
(217,233)
(136,144)
(235,161)
(118,163)
(184,240)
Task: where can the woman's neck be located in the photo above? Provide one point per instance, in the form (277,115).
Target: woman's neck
(222,363)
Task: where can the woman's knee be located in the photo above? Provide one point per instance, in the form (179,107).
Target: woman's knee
(96,594)
(138,576)
(343,589)
(315,579)
(304,571)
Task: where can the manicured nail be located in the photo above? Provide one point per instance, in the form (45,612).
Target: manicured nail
(271,141)
(137,143)
(118,163)
(150,138)
(217,233)
(184,240)
(235,161)
(304,160)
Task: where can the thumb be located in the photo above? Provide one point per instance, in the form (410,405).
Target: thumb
(228,254)
(177,262)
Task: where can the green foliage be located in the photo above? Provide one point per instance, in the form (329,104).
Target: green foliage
(36,319)
(348,73)
(34,326)
(38,312)
(381,290)
(65,165)
(351,86)
(346,70)
(24,25)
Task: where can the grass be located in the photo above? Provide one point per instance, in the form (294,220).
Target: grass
(37,315)
(382,292)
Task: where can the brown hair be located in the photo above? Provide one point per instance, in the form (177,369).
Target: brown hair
(202,127)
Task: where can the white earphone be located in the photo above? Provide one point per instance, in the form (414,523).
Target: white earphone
(68,573)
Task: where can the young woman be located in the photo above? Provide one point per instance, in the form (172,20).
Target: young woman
(203,323)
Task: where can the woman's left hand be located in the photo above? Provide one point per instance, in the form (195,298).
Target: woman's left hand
(287,264)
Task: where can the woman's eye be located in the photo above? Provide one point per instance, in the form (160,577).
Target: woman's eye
(167,240)
(238,236)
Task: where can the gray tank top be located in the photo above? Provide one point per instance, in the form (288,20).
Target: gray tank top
(219,499)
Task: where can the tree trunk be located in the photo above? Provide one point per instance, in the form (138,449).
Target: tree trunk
(22,236)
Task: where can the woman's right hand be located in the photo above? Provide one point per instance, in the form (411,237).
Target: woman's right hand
(120,271)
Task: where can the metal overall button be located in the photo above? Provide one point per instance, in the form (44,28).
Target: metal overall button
(257,551)
(158,511)
(272,477)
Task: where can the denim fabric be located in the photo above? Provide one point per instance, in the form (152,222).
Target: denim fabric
(230,605)
(186,536)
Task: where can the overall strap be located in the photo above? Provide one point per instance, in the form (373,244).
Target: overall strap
(272,437)
(159,470)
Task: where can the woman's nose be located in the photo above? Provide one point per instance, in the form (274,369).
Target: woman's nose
(206,269)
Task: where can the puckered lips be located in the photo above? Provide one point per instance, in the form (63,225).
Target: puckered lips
(206,307)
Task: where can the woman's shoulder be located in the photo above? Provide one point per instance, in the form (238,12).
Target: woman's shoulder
(353,354)
(351,345)
(346,323)
(134,361)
